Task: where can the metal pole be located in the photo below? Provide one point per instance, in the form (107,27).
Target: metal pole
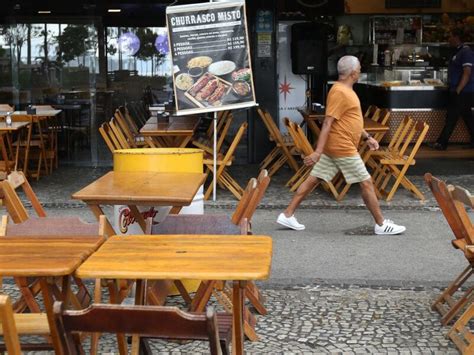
(214,180)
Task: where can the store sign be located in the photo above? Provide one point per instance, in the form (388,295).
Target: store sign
(210,52)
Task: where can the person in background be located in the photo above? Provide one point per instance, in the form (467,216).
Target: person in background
(337,150)
(461,91)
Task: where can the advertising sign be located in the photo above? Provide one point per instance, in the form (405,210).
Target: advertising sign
(210,52)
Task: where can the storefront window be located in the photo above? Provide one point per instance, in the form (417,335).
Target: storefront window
(139,64)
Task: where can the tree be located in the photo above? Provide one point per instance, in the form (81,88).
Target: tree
(147,47)
(15,36)
(74,42)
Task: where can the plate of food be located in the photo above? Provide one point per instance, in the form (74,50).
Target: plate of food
(201,62)
(241,88)
(184,81)
(433,82)
(209,90)
(392,83)
(222,67)
(242,74)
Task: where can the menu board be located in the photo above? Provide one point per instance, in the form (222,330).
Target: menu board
(210,52)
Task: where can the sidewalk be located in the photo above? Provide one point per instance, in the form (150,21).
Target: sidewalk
(336,287)
(56,189)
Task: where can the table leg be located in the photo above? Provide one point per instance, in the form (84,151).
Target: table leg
(43,146)
(4,153)
(97,211)
(48,305)
(184,142)
(140,296)
(238,317)
(27,149)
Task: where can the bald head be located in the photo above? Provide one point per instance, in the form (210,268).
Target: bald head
(346,65)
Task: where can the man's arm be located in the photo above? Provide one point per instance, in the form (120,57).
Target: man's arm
(313,158)
(371,141)
(466,75)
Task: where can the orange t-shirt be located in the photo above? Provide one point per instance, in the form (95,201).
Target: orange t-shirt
(346,129)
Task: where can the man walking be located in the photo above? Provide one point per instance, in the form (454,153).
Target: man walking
(337,150)
(461,90)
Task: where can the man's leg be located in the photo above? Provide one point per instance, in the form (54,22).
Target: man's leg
(371,201)
(305,188)
(466,103)
(452,117)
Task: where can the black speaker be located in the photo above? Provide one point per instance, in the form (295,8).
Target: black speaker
(309,48)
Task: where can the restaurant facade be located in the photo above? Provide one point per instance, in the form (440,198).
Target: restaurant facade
(88,58)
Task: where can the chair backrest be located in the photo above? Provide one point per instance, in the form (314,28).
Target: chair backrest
(131,122)
(12,201)
(110,138)
(221,119)
(462,199)
(120,135)
(417,132)
(446,204)
(400,133)
(233,146)
(371,110)
(7,323)
(125,127)
(246,199)
(299,138)
(161,322)
(263,180)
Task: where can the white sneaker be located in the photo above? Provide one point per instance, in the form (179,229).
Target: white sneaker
(290,222)
(389,228)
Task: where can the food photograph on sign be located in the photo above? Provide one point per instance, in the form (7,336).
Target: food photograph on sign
(211,59)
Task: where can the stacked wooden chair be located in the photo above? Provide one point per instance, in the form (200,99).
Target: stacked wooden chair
(394,161)
(447,304)
(25,225)
(13,325)
(281,154)
(304,147)
(157,322)
(238,223)
(222,175)
(121,132)
(453,201)
(206,143)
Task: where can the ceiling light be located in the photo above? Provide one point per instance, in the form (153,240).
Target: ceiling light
(114,10)
(44,12)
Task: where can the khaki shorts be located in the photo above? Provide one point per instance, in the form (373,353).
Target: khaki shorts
(353,169)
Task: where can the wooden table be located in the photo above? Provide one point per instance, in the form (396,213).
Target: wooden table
(46,258)
(311,117)
(37,118)
(5,131)
(177,131)
(140,189)
(177,257)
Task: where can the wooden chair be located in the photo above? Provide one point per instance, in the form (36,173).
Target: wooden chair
(281,154)
(403,156)
(207,144)
(12,325)
(120,135)
(461,333)
(112,142)
(448,304)
(27,225)
(12,201)
(371,110)
(130,131)
(151,321)
(305,148)
(224,179)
